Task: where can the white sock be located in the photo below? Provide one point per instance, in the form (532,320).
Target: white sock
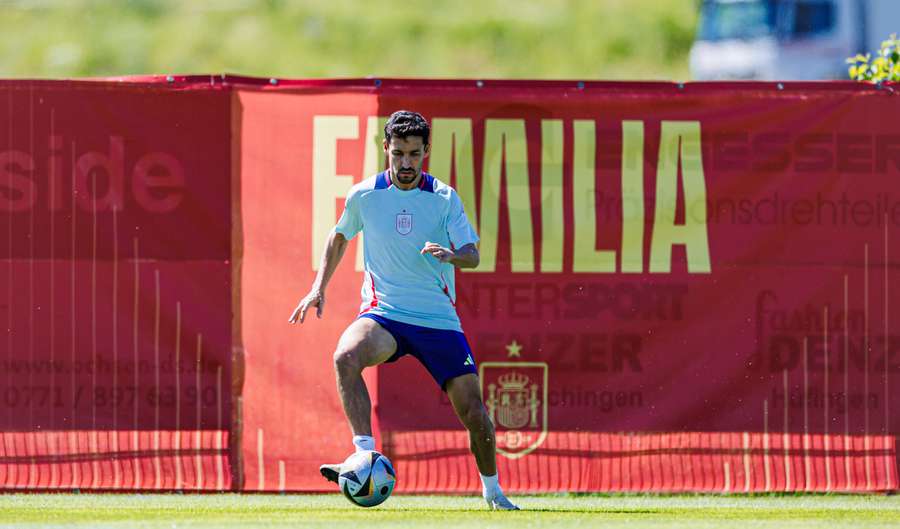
(363,442)
(490,486)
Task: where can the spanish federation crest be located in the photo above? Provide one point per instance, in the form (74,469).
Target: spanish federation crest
(515,394)
(404,223)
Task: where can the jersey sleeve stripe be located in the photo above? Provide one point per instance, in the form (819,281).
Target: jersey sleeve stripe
(374,302)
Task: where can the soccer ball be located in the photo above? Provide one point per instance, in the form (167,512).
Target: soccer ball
(367,478)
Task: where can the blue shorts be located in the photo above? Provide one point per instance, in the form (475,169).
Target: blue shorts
(444,353)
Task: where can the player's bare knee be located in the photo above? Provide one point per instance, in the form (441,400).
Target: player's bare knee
(475,418)
(346,361)
(486,425)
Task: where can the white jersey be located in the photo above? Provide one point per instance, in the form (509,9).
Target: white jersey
(400,283)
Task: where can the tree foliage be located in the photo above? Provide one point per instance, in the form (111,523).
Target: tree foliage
(884,67)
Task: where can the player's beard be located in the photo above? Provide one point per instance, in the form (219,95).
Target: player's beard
(405,177)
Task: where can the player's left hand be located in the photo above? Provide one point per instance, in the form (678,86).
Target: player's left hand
(439,252)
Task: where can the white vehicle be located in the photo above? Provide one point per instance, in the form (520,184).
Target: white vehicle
(788,39)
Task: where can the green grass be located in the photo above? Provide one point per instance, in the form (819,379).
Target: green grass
(333,511)
(574,39)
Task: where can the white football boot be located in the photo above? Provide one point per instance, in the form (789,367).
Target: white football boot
(500,503)
(331,472)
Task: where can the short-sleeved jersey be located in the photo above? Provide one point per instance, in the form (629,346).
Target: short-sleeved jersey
(401,283)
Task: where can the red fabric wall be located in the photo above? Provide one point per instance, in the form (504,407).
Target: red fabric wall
(682,288)
(116,286)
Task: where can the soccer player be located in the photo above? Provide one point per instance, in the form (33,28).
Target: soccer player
(416,233)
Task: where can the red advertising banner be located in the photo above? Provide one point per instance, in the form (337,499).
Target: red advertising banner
(116,286)
(682,287)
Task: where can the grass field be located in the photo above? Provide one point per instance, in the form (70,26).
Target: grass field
(274,511)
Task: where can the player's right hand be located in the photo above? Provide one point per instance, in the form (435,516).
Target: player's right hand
(316,298)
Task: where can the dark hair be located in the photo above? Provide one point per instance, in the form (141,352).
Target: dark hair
(404,123)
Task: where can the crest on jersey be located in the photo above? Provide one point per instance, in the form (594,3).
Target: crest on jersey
(404,223)
(515,394)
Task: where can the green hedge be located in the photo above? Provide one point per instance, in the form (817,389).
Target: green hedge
(578,39)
